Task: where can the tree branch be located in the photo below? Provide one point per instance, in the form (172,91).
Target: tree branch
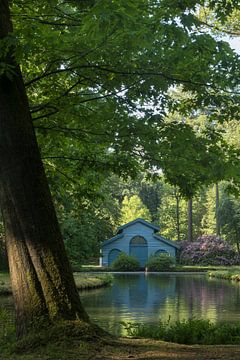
(225,31)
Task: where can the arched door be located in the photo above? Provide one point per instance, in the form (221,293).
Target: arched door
(139,248)
(113,254)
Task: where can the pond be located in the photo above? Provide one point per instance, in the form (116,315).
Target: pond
(149,297)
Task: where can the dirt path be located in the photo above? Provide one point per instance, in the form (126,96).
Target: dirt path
(153,350)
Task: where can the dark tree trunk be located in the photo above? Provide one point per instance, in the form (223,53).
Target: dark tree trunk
(238,246)
(42,280)
(177,197)
(218,230)
(190,223)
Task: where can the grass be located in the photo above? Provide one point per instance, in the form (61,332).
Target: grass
(92,281)
(227,274)
(83,281)
(178,268)
(190,332)
(207,268)
(83,342)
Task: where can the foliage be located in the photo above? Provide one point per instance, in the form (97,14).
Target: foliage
(208,250)
(82,237)
(191,331)
(150,193)
(160,262)
(85,224)
(125,262)
(99,103)
(170,214)
(209,217)
(7,326)
(133,208)
(99,100)
(229,220)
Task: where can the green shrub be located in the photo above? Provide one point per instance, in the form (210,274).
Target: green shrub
(160,262)
(75,265)
(125,262)
(189,332)
(7,327)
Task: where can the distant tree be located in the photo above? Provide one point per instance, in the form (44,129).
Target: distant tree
(229,219)
(217,199)
(190,220)
(172,213)
(150,193)
(133,208)
(209,218)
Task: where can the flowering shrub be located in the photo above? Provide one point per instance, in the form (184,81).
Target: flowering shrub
(208,250)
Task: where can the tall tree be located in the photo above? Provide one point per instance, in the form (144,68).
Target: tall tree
(229,219)
(190,219)
(177,197)
(217,210)
(209,219)
(92,58)
(42,282)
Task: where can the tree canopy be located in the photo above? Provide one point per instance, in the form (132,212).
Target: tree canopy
(99,76)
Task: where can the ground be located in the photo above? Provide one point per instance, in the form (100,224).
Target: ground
(122,349)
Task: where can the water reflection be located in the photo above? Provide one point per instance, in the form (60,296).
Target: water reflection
(150,297)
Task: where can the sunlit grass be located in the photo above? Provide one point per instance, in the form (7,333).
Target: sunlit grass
(192,331)
(82,280)
(229,274)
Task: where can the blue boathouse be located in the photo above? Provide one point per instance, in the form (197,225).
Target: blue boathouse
(138,238)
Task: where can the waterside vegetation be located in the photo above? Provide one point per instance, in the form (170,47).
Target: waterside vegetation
(230,274)
(83,281)
(81,342)
(192,331)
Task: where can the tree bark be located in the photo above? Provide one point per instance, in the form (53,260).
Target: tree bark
(190,224)
(218,230)
(42,280)
(177,197)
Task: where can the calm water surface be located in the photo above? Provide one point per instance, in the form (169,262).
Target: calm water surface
(150,297)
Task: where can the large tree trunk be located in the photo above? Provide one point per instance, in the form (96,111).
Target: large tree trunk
(42,280)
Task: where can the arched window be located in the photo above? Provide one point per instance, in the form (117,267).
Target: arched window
(161,251)
(113,254)
(138,240)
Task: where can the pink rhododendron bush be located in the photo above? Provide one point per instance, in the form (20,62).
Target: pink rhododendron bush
(208,250)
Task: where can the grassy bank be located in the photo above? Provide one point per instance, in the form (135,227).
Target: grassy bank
(188,332)
(82,280)
(92,281)
(178,268)
(227,274)
(84,343)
